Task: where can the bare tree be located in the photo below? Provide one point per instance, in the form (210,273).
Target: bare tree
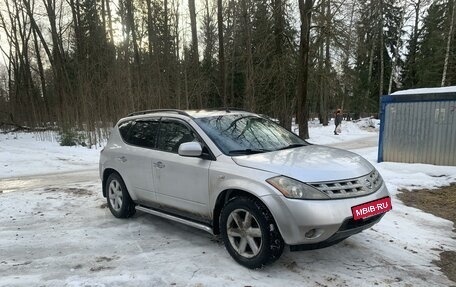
(305,9)
(221,53)
(327,43)
(194,49)
(452,6)
(41,74)
(108,11)
(178,68)
(249,99)
(382,48)
(347,84)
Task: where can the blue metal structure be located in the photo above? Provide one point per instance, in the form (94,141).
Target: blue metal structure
(418,126)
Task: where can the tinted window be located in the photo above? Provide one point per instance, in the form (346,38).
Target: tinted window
(244,134)
(172,135)
(143,133)
(124,128)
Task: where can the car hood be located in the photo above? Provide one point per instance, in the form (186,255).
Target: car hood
(311,163)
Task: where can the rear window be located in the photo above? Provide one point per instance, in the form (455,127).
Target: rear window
(143,134)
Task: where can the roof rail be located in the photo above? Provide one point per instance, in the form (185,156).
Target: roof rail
(180,112)
(227,109)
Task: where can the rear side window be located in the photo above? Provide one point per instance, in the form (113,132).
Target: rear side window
(124,128)
(143,134)
(172,135)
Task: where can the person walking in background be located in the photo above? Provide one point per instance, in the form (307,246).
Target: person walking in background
(337,121)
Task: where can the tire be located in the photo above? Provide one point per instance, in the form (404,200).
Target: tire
(119,200)
(249,232)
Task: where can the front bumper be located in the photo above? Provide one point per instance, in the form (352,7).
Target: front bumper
(322,221)
(347,229)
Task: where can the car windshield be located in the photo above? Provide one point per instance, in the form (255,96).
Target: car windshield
(241,134)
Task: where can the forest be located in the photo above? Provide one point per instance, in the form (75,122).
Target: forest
(83,64)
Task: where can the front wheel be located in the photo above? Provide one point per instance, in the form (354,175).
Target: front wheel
(250,233)
(119,200)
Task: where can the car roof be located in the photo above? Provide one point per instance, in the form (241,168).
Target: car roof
(214,113)
(187,113)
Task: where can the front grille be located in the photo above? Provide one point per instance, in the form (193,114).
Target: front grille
(351,187)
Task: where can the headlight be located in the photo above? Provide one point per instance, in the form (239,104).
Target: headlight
(295,189)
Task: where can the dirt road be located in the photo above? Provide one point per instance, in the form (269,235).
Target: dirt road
(369,141)
(47,180)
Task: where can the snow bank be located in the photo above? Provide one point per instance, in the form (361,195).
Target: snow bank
(451,89)
(24,154)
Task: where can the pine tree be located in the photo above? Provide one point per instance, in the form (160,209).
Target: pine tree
(431,46)
(378,26)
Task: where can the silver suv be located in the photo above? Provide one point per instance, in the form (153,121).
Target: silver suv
(241,176)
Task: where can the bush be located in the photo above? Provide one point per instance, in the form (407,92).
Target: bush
(71,138)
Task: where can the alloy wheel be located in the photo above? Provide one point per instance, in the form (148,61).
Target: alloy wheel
(115,195)
(244,233)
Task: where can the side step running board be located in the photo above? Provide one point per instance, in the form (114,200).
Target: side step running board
(175,218)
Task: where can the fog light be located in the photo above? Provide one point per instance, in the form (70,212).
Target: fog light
(311,233)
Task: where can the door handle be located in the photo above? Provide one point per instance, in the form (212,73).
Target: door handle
(159,164)
(122,158)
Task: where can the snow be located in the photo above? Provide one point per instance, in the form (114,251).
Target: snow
(62,234)
(450,89)
(23,154)
(362,130)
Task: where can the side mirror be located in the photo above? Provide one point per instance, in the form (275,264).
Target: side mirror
(191,149)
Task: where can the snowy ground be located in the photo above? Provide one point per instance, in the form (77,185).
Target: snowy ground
(55,230)
(23,154)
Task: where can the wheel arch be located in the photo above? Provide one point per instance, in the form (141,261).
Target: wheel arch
(225,196)
(106,173)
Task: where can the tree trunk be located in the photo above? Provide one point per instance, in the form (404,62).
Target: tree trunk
(221,53)
(132,28)
(153,63)
(178,68)
(280,81)
(108,11)
(382,48)
(38,31)
(42,78)
(348,45)
(166,52)
(320,68)
(187,104)
(249,97)
(103,16)
(305,9)
(414,45)
(396,54)
(369,76)
(448,46)
(194,48)
(62,86)
(234,8)
(195,56)
(327,64)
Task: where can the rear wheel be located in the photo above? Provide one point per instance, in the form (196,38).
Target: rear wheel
(119,200)
(250,233)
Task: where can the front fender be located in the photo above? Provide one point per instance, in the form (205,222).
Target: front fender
(252,181)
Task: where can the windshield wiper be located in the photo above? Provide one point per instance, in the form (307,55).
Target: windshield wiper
(247,151)
(291,146)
